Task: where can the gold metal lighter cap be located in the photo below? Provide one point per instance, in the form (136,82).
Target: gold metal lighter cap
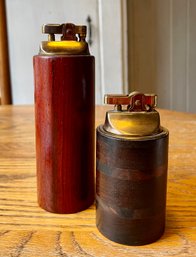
(72,40)
(137,117)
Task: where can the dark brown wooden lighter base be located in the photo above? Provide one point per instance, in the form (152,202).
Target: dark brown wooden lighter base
(131,187)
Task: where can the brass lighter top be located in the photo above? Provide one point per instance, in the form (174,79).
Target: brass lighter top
(72,40)
(138,119)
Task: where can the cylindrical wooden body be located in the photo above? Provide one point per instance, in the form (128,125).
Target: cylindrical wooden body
(131,187)
(64,118)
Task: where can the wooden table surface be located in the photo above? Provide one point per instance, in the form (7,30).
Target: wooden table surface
(27,230)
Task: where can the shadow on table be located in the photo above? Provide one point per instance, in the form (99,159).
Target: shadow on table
(172,226)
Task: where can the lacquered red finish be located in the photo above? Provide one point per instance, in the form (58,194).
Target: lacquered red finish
(64,117)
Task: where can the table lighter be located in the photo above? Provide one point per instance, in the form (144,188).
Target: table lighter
(64,118)
(132,160)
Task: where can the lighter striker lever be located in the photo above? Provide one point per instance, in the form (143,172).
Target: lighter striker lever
(134,101)
(132,157)
(64,127)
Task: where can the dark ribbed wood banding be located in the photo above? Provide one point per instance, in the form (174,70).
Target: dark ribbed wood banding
(131,187)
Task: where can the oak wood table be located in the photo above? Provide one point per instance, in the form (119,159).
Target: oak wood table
(27,230)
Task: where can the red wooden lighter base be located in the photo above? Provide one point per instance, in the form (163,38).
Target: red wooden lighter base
(64,116)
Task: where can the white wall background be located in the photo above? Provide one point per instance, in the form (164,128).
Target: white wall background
(25,18)
(162,51)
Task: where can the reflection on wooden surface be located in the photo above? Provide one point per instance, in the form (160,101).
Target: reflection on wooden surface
(27,230)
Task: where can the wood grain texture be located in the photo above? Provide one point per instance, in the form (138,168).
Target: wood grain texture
(64,119)
(131,185)
(28,231)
